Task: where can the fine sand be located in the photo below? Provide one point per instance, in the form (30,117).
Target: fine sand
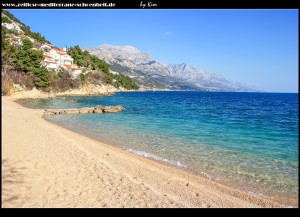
(44,165)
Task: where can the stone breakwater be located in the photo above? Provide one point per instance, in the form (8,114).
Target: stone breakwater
(95,110)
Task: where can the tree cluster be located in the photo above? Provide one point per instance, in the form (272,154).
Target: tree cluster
(100,68)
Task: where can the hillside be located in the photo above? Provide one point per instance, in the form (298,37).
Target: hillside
(149,73)
(30,61)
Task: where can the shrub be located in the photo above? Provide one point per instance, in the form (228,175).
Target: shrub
(98,77)
(5,20)
(23,79)
(84,76)
(41,77)
(54,79)
(7,87)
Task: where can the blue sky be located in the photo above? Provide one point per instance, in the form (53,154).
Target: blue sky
(255,47)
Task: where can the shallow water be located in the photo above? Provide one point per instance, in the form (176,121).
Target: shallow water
(249,139)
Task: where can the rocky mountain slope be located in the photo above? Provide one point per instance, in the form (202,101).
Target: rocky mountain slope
(141,67)
(205,80)
(150,74)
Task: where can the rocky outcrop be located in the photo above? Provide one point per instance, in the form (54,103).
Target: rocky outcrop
(95,110)
(85,110)
(109,109)
(18,87)
(98,109)
(89,89)
(18,92)
(33,94)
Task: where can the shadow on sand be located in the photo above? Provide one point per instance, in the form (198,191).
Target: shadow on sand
(12,177)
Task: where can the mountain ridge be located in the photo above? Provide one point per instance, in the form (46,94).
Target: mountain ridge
(151,74)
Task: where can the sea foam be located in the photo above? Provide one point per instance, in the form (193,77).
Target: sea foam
(155,157)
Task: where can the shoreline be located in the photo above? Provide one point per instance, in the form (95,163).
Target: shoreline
(238,185)
(62,168)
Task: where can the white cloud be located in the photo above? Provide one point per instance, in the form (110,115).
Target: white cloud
(168,33)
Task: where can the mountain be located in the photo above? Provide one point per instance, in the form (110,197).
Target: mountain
(205,80)
(150,74)
(139,66)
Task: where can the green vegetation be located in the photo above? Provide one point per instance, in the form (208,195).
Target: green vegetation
(63,80)
(42,77)
(84,58)
(119,68)
(35,35)
(84,76)
(5,20)
(4,38)
(29,61)
(26,29)
(21,64)
(27,44)
(124,81)
(10,16)
(61,71)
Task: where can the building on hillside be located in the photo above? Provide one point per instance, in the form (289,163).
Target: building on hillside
(46,48)
(49,62)
(64,58)
(55,58)
(16,40)
(12,26)
(22,36)
(74,69)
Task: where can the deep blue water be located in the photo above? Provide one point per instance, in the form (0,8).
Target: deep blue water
(249,139)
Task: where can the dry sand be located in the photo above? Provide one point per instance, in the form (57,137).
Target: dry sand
(44,165)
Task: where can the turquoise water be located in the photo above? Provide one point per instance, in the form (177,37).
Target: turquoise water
(249,139)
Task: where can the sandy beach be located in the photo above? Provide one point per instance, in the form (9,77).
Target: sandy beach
(44,165)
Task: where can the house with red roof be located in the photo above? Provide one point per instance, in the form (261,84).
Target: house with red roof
(54,58)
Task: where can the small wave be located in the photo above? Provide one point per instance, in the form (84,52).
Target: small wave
(149,155)
(210,177)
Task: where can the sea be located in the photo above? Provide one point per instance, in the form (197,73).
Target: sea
(245,140)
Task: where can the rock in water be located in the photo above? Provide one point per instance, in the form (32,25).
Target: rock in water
(95,110)
(98,109)
(85,110)
(116,108)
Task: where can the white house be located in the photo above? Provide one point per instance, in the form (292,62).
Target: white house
(16,41)
(45,48)
(64,58)
(12,26)
(74,69)
(54,58)
(49,62)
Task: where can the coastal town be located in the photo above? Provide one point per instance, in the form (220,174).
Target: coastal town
(54,58)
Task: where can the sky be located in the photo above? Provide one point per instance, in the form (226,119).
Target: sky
(254,47)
